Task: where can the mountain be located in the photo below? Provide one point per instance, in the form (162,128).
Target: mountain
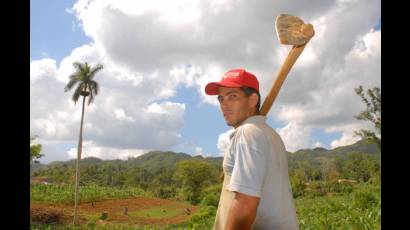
(36,166)
(155,160)
(315,155)
(85,162)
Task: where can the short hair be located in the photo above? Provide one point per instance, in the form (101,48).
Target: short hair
(248,92)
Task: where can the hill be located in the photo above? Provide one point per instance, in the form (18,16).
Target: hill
(155,160)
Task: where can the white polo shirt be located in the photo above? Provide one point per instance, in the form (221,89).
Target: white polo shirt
(256,163)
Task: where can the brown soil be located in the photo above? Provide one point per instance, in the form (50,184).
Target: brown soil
(63,213)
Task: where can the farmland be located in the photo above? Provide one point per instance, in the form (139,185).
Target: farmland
(358,209)
(332,189)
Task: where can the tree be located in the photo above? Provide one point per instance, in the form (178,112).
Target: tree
(372,114)
(163,185)
(83,77)
(329,170)
(359,166)
(193,176)
(139,177)
(35,150)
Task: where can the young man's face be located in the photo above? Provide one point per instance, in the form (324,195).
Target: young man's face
(235,106)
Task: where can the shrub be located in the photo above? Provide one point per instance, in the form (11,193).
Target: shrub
(365,199)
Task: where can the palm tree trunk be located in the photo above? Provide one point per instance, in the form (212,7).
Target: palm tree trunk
(77,175)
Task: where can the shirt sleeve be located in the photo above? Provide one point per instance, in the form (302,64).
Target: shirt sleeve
(248,174)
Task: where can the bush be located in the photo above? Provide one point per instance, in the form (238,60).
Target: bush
(314,188)
(210,195)
(365,199)
(203,219)
(210,200)
(335,187)
(298,186)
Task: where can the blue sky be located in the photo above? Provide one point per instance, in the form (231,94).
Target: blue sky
(321,114)
(53,31)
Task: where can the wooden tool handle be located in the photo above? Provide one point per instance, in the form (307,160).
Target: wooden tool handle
(293,55)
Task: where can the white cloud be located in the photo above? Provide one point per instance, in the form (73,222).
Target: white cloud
(322,96)
(199,151)
(120,114)
(123,117)
(90,149)
(150,48)
(224,141)
(45,67)
(53,150)
(317,145)
(295,136)
(346,139)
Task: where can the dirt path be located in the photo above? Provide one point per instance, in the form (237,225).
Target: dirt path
(62,213)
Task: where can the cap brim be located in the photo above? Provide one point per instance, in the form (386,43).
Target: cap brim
(212,87)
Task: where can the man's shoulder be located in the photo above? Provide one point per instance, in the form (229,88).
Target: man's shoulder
(259,128)
(257,132)
(254,131)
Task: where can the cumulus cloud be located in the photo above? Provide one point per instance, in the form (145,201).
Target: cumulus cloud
(150,48)
(317,145)
(125,115)
(333,105)
(223,141)
(199,151)
(295,136)
(90,149)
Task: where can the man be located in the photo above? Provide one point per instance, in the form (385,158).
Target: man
(256,192)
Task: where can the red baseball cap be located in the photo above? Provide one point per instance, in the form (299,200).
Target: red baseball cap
(234,78)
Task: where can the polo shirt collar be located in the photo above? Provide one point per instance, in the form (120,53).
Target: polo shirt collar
(256,119)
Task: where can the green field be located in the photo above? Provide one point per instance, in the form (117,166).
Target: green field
(65,193)
(358,209)
(157,212)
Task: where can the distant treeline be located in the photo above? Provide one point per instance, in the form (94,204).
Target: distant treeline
(196,179)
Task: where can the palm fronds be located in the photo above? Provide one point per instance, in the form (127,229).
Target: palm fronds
(82,81)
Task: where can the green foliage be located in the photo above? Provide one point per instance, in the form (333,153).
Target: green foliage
(359,167)
(358,210)
(203,219)
(193,176)
(372,113)
(65,193)
(35,150)
(157,160)
(210,196)
(157,212)
(322,188)
(163,185)
(298,185)
(322,202)
(83,77)
(367,196)
(338,212)
(138,177)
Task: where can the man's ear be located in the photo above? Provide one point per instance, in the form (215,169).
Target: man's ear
(253,99)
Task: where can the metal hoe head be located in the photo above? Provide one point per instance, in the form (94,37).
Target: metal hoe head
(292,30)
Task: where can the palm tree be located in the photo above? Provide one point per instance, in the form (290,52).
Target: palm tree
(86,86)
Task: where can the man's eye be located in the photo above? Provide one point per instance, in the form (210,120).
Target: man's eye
(233,96)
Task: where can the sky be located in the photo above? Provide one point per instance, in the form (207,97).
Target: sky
(158,56)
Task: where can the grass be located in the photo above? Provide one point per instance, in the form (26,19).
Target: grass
(359,209)
(65,193)
(157,212)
